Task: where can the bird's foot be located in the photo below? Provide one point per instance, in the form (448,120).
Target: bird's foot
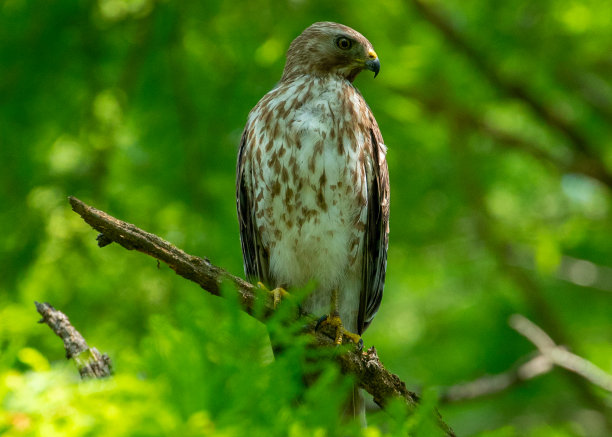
(335,321)
(278,294)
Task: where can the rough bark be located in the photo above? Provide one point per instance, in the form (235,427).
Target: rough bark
(370,373)
(90,362)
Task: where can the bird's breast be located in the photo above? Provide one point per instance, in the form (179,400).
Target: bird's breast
(311,206)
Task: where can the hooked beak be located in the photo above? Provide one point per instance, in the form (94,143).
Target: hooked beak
(373,64)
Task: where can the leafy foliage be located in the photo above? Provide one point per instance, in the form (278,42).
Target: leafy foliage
(498,133)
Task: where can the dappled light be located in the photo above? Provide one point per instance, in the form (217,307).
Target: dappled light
(497,304)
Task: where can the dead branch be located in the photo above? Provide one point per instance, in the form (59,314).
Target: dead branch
(367,368)
(193,268)
(90,362)
(548,356)
(558,355)
(525,283)
(492,384)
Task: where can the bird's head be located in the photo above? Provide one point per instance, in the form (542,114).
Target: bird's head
(330,48)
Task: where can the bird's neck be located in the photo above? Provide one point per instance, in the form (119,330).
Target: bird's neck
(327,77)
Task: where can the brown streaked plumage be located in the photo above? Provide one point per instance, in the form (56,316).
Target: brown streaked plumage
(312,179)
(282,187)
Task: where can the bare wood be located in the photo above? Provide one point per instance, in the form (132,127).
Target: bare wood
(548,356)
(90,362)
(489,385)
(371,374)
(559,355)
(198,270)
(525,283)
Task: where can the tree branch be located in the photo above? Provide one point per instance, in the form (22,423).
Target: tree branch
(558,355)
(370,373)
(492,384)
(193,268)
(548,356)
(525,283)
(90,362)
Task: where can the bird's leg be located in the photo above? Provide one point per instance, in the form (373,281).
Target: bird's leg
(334,320)
(277,294)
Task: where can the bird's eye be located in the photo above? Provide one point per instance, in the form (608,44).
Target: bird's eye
(344,43)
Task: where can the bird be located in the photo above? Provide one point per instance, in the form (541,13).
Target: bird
(312,184)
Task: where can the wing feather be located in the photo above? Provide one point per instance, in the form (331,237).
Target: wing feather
(376,232)
(255,256)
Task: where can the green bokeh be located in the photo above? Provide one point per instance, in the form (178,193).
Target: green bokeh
(499,136)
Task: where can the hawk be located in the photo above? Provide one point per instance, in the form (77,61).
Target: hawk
(312,181)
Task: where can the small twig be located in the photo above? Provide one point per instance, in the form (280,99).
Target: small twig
(526,284)
(492,384)
(548,356)
(368,370)
(558,355)
(90,362)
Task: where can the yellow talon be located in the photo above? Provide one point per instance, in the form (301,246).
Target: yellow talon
(278,294)
(335,321)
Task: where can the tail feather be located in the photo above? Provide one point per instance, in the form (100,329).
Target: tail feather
(355,407)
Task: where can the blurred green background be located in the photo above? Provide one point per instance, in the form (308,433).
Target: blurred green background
(498,120)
